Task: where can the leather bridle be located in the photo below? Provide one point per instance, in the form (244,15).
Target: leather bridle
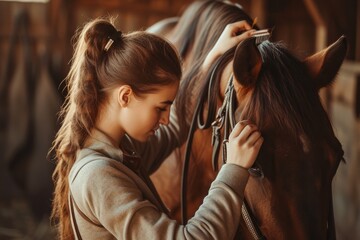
(225,118)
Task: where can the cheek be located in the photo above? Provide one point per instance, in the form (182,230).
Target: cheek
(152,118)
(144,119)
(141,124)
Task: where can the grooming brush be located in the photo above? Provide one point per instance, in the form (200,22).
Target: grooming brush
(261,35)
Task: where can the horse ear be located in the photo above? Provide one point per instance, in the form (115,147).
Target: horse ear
(247,62)
(324,65)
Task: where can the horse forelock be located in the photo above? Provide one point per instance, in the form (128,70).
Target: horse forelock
(285,100)
(284,95)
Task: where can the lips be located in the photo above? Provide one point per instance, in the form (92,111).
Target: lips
(152,131)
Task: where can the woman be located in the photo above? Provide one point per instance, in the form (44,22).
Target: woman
(116,131)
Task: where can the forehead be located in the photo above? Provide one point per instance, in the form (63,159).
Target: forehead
(164,93)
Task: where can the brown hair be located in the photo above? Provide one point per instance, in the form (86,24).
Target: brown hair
(138,59)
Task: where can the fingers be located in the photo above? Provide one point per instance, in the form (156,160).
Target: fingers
(238,31)
(244,144)
(245,131)
(239,26)
(258,142)
(238,128)
(229,38)
(245,35)
(254,138)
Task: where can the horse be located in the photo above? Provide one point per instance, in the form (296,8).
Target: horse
(190,32)
(289,190)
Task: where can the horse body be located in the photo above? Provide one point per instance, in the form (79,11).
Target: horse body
(291,199)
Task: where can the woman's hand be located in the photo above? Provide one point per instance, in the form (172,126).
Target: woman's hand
(228,39)
(244,144)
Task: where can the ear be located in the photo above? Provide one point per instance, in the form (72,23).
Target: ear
(247,63)
(324,65)
(124,93)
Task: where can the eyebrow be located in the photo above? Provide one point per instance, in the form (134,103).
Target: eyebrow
(168,102)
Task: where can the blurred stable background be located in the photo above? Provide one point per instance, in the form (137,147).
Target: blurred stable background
(35,49)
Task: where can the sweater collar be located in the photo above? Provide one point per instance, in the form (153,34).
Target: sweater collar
(102,143)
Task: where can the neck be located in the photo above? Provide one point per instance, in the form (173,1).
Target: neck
(107,123)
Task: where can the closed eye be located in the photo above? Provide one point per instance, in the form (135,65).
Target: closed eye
(161,109)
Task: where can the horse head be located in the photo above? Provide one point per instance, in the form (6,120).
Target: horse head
(291,198)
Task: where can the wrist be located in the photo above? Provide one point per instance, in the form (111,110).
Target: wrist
(240,164)
(234,176)
(210,58)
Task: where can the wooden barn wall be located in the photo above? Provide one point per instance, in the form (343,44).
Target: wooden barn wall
(346,187)
(53,24)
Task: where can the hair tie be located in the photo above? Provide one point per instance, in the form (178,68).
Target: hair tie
(108,44)
(112,39)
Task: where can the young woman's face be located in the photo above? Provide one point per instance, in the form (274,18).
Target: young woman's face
(144,115)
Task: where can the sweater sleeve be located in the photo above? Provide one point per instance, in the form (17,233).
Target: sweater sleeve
(108,196)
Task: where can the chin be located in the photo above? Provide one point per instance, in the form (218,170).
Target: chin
(142,138)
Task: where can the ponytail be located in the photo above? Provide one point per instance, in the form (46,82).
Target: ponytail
(104,58)
(79,114)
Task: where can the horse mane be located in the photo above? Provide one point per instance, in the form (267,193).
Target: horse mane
(186,28)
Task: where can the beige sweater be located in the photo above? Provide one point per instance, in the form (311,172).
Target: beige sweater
(114,198)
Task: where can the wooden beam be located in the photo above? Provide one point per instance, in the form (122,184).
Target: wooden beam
(138,7)
(357,34)
(320,43)
(321,30)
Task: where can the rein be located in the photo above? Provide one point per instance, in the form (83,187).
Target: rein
(197,119)
(224,119)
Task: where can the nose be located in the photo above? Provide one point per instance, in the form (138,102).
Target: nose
(164,118)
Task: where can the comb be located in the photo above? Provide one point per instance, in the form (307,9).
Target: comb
(261,35)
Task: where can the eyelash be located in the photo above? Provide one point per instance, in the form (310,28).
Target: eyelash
(162,109)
